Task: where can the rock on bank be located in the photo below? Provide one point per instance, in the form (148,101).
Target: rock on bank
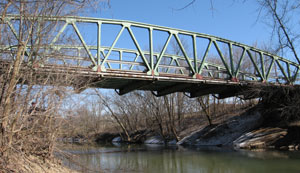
(225,133)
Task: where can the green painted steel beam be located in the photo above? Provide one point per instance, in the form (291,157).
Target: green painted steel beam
(138,47)
(184,53)
(195,54)
(83,43)
(99,24)
(204,57)
(111,48)
(231,60)
(283,71)
(222,58)
(270,69)
(262,64)
(162,53)
(151,49)
(237,70)
(187,62)
(255,65)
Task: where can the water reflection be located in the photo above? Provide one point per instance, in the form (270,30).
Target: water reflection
(142,158)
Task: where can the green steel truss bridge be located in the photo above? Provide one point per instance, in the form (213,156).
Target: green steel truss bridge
(128,56)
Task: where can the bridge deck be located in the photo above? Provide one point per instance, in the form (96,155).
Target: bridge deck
(127,81)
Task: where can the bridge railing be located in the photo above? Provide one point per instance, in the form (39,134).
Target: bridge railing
(156,50)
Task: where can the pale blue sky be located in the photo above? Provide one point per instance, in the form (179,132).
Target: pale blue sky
(235,21)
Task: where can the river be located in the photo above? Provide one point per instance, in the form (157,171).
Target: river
(160,159)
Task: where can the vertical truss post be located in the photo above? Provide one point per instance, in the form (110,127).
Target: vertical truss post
(233,76)
(218,73)
(151,50)
(197,75)
(79,54)
(120,55)
(99,44)
(288,70)
(195,54)
(262,62)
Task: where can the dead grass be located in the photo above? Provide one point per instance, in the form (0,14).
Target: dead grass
(32,164)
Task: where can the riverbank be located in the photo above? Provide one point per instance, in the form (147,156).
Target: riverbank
(246,129)
(270,122)
(189,124)
(251,130)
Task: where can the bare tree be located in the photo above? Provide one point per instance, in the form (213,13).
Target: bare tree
(18,79)
(122,118)
(282,17)
(204,103)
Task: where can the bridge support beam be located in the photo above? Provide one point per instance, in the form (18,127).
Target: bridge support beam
(210,89)
(172,89)
(229,92)
(132,86)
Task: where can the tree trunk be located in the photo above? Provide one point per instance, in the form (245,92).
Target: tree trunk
(205,109)
(8,100)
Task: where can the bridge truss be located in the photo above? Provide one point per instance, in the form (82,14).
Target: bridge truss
(127,56)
